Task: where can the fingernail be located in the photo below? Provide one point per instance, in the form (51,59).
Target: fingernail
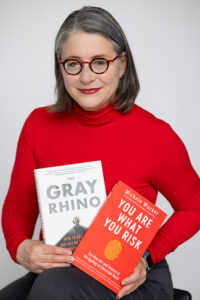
(71,259)
(124,282)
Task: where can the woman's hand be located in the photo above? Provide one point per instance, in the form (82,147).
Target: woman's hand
(132,282)
(37,257)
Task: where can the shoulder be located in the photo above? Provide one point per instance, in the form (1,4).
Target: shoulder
(166,148)
(42,116)
(142,114)
(146,119)
(42,123)
(40,113)
(159,131)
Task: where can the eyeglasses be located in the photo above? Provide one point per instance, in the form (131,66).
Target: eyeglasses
(98,65)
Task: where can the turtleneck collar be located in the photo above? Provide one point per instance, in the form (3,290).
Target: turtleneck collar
(101,117)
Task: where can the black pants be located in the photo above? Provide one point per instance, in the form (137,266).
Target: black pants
(73,284)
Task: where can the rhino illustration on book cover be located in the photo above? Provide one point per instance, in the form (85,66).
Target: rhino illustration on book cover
(73,236)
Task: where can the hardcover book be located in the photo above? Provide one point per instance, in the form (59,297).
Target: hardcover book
(69,198)
(118,236)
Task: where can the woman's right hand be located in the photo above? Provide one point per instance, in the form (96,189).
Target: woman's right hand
(37,257)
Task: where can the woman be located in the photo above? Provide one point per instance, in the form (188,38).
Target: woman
(95,118)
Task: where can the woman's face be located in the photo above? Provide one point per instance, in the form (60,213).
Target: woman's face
(91,91)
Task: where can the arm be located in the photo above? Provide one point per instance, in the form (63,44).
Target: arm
(174,176)
(20,212)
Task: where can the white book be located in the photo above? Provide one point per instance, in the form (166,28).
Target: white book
(69,198)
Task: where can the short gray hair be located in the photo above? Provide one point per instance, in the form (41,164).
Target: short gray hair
(92,19)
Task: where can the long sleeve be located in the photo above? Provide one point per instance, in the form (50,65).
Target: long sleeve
(20,208)
(136,148)
(174,176)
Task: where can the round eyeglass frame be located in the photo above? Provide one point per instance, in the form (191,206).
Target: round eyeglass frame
(81,63)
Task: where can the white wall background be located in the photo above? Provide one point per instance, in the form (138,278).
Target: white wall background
(165,40)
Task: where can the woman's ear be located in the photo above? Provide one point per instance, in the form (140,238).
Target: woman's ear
(123,64)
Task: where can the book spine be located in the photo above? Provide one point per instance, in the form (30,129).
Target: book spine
(40,206)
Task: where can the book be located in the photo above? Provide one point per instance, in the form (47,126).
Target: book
(118,236)
(69,198)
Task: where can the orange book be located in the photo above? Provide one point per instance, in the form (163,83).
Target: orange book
(118,236)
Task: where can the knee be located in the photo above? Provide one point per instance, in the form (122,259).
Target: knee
(49,283)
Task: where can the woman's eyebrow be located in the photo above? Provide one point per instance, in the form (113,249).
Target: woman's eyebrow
(92,57)
(99,56)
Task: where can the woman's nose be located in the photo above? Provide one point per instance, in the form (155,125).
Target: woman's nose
(86,75)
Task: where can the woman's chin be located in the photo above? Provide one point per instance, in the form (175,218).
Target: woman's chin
(92,106)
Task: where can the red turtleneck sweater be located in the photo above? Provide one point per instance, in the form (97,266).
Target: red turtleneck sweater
(136,148)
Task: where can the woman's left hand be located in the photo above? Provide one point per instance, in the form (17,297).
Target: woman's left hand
(132,282)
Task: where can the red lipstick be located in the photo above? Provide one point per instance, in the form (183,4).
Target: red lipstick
(89,91)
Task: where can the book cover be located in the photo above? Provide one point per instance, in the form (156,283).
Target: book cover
(69,198)
(118,236)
